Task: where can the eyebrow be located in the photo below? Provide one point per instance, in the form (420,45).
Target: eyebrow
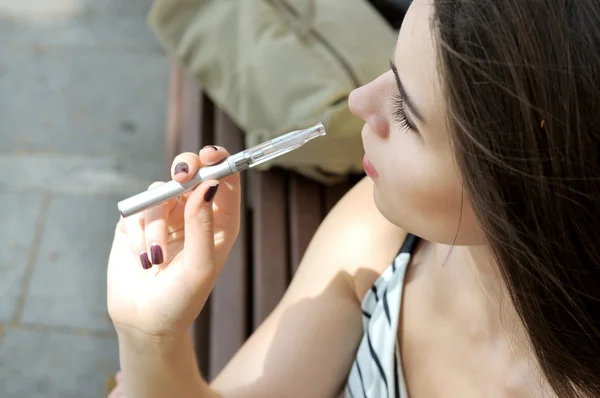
(404,95)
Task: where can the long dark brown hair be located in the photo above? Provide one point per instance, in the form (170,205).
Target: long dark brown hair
(522,84)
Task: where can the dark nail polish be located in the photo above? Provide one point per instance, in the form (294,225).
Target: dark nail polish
(211,146)
(157,254)
(146,264)
(181,168)
(210,193)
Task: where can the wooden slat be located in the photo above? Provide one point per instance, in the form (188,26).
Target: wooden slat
(173,127)
(200,332)
(207,123)
(182,134)
(305,214)
(200,111)
(269,242)
(191,114)
(229,309)
(205,119)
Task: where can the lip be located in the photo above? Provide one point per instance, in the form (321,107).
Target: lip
(369,169)
(367,165)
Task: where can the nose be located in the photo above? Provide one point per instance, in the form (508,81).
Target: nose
(367,99)
(359,103)
(366,102)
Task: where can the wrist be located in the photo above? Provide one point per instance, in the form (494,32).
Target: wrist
(160,367)
(136,339)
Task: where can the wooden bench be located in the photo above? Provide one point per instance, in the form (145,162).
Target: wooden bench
(281,212)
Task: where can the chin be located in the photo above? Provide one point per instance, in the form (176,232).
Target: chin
(391,213)
(385,208)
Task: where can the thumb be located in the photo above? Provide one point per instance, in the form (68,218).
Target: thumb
(199,246)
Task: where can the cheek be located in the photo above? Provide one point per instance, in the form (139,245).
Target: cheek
(422,194)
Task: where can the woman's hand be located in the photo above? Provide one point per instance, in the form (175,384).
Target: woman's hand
(164,261)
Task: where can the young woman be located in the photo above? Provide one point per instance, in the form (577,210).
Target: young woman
(483,140)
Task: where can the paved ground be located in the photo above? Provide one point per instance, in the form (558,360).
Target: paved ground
(82,112)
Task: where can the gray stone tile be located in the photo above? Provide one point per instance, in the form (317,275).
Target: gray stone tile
(107,23)
(94,33)
(68,286)
(52,365)
(47,9)
(115,176)
(84,102)
(18,215)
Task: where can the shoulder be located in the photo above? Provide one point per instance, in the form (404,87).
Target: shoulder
(355,240)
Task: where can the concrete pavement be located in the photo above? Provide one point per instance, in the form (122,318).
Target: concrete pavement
(83,88)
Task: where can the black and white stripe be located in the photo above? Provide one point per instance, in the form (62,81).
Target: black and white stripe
(375,372)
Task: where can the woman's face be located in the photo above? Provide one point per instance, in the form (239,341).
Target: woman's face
(417,184)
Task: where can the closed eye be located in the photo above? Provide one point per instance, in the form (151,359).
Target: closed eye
(400,114)
(402,100)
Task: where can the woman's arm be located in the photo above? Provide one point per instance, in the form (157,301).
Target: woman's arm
(306,346)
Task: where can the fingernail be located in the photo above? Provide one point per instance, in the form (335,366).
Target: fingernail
(181,168)
(146,264)
(211,146)
(157,254)
(210,193)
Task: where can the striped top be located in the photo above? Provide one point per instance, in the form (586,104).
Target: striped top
(377,369)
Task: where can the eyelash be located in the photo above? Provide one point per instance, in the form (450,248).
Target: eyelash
(400,114)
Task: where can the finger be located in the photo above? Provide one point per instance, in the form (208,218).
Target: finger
(199,239)
(119,377)
(134,225)
(212,154)
(185,166)
(155,231)
(228,201)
